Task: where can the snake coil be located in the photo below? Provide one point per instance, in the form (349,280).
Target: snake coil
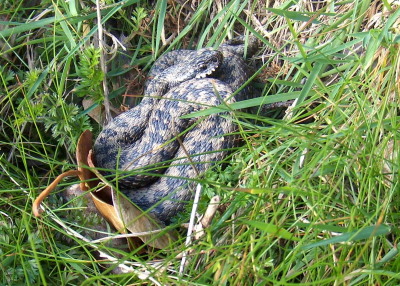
(153,150)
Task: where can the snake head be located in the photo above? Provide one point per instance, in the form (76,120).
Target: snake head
(200,64)
(205,62)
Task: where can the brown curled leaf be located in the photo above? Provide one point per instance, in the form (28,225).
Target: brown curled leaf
(84,174)
(124,215)
(83,150)
(115,208)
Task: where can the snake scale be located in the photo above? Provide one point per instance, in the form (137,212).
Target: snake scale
(149,144)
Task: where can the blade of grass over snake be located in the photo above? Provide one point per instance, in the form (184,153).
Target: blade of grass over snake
(248,103)
(309,83)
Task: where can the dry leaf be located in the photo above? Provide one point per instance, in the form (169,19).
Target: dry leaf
(123,214)
(82,152)
(95,113)
(116,209)
(137,221)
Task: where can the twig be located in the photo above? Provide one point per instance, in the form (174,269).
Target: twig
(258,26)
(112,50)
(191,227)
(198,229)
(205,221)
(107,112)
(289,111)
(8,174)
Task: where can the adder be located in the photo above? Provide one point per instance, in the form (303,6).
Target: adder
(153,153)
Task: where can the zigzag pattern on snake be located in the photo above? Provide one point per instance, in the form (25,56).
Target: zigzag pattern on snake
(143,143)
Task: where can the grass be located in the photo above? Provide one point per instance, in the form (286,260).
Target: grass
(310,198)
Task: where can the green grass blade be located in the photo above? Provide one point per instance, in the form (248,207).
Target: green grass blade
(362,234)
(297,16)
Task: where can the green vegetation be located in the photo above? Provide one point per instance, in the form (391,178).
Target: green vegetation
(312,197)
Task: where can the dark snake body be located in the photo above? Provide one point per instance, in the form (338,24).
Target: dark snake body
(141,143)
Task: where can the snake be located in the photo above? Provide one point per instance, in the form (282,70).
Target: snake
(153,152)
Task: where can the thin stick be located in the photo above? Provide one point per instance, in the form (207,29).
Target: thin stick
(191,226)
(103,64)
(205,221)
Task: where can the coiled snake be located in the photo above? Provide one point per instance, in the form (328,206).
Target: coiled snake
(152,138)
